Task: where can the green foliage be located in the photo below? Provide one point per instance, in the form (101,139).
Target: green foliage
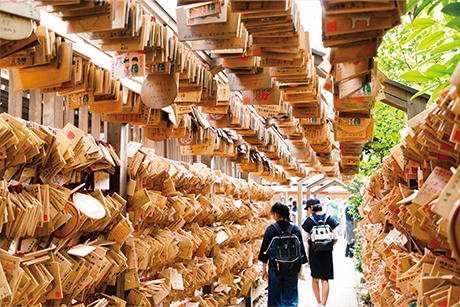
(431,40)
(424,50)
(358,256)
(355,202)
(388,122)
(452,9)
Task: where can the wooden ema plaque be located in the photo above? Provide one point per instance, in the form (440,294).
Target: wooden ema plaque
(159,91)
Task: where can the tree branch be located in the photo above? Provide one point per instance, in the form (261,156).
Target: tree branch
(401,48)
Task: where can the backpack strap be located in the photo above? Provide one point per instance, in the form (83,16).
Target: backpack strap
(280,231)
(314,220)
(325,219)
(290,228)
(278,228)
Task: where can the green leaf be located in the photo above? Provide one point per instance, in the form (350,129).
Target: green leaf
(431,40)
(446,47)
(433,6)
(422,6)
(410,4)
(436,71)
(429,59)
(423,52)
(452,9)
(450,69)
(454,23)
(424,90)
(414,76)
(413,35)
(421,23)
(440,88)
(453,60)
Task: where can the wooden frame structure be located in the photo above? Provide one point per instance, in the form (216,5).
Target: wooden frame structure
(397,94)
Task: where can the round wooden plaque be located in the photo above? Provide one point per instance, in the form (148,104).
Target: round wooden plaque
(89,206)
(158,134)
(68,228)
(159,91)
(14,28)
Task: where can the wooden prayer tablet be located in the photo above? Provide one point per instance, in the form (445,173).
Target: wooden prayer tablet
(15,28)
(159,91)
(158,134)
(454,229)
(70,226)
(89,206)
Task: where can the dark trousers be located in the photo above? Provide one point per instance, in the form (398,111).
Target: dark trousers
(282,290)
(348,250)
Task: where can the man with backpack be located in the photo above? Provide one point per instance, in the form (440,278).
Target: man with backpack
(282,248)
(322,236)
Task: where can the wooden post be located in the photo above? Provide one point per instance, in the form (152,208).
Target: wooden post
(106,128)
(130,133)
(136,133)
(96,125)
(117,136)
(49,102)
(69,114)
(14,99)
(415,106)
(59,112)
(35,106)
(83,119)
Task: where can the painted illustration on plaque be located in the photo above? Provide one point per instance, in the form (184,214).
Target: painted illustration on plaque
(127,65)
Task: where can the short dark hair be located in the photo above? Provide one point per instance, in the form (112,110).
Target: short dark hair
(312,201)
(282,210)
(294,202)
(316,207)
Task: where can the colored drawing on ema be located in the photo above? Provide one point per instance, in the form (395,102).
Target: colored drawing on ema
(126,65)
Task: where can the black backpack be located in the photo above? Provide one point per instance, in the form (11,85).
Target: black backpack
(285,249)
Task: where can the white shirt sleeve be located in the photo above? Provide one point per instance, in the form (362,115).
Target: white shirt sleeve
(334,232)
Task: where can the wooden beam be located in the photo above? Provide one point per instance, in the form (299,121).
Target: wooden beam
(399,97)
(49,101)
(14,98)
(333,182)
(35,106)
(415,107)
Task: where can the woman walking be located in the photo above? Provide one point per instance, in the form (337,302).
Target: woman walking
(282,279)
(321,264)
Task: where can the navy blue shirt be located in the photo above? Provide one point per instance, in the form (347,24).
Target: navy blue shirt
(271,232)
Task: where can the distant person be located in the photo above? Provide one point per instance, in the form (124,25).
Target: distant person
(321,264)
(293,206)
(293,210)
(282,279)
(332,208)
(304,212)
(349,232)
